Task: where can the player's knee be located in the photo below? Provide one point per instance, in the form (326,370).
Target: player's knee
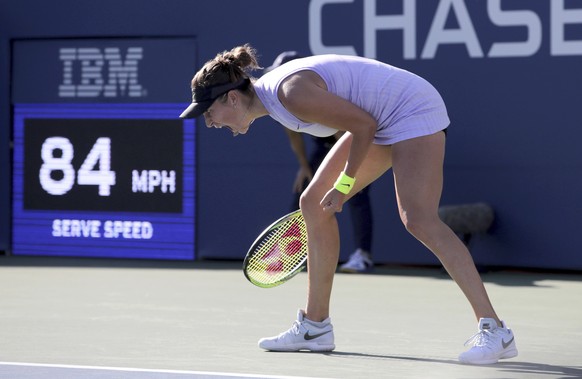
(308,201)
(310,204)
(419,224)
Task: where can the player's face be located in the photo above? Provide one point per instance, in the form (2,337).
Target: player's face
(224,114)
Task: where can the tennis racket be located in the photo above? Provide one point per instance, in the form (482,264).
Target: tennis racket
(279,252)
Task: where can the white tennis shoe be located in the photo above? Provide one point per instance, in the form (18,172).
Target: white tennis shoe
(304,334)
(491,343)
(359,262)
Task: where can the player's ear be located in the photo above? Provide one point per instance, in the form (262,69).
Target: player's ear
(232,98)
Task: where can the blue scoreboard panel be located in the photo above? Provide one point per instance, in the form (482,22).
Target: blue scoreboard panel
(103,180)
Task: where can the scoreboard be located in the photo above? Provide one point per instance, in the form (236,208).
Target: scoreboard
(103,180)
(102,164)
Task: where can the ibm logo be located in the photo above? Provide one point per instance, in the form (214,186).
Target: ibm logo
(94,72)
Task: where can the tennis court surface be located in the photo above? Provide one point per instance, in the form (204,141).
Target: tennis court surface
(64,318)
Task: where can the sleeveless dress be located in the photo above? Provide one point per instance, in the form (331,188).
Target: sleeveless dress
(404,105)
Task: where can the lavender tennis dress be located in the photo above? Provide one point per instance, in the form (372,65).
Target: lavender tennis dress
(404,105)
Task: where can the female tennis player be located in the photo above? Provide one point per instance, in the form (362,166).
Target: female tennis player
(392,119)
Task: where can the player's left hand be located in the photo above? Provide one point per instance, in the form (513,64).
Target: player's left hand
(333,201)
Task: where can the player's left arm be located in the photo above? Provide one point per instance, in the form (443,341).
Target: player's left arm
(304,95)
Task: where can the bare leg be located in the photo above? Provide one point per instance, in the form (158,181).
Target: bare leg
(322,264)
(322,228)
(323,237)
(418,179)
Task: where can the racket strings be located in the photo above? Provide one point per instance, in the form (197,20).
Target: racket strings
(280,253)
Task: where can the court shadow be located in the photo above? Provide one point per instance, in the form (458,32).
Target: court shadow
(125,263)
(532,368)
(524,369)
(346,354)
(532,278)
(497,275)
(503,276)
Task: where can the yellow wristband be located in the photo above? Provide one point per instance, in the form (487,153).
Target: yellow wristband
(344,183)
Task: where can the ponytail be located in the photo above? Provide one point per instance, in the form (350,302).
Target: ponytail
(227,67)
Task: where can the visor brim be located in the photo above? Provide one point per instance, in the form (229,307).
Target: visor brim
(196,109)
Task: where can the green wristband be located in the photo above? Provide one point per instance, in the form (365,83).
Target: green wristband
(344,183)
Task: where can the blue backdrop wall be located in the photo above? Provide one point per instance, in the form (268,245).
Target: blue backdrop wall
(509,71)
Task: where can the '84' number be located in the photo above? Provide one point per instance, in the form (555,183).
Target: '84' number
(99,156)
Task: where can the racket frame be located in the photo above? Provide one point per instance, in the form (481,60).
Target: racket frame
(260,239)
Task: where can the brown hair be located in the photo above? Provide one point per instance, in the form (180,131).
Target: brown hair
(227,67)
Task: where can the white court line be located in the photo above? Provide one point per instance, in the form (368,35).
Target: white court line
(129,369)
